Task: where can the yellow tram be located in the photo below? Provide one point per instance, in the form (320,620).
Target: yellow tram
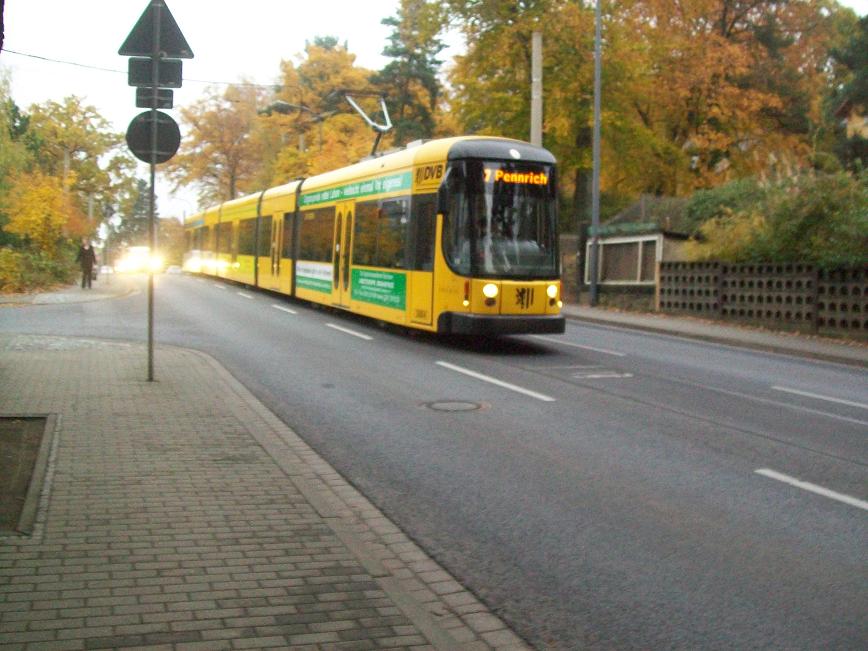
(457,235)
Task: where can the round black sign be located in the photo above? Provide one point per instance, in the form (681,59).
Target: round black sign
(139,136)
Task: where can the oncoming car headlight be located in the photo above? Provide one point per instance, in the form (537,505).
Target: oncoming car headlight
(489,290)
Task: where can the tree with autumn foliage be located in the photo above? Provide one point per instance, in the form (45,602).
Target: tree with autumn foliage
(333,134)
(236,143)
(694,93)
(219,154)
(38,209)
(72,141)
(61,171)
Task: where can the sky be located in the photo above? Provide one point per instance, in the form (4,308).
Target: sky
(231,41)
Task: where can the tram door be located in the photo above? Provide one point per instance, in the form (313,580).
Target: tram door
(341,259)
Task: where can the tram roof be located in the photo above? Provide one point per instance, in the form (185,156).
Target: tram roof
(431,151)
(442,149)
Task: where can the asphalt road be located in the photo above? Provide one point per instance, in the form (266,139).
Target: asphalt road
(601,489)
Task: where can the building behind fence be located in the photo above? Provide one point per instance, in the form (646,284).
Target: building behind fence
(795,296)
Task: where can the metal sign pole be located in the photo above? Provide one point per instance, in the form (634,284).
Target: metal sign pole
(156,36)
(152,235)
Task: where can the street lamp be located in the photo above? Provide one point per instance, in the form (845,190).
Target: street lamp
(285,108)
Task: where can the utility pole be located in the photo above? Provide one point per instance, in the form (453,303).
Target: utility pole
(595,191)
(536,90)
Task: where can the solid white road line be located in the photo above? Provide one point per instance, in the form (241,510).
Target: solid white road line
(603,376)
(243,295)
(219,286)
(349,332)
(500,383)
(819,490)
(284,309)
(567,343)
(817,396)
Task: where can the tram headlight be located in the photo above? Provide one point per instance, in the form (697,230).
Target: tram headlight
(489,290)
(552,291)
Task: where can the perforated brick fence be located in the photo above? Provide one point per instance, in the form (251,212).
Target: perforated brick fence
(792,296)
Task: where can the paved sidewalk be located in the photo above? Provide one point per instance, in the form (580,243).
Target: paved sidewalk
(104,287)
(842,351)
(182,514)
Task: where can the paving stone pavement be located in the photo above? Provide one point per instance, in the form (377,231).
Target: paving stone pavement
(182,514)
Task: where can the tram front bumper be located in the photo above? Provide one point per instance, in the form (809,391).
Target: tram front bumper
(461,323)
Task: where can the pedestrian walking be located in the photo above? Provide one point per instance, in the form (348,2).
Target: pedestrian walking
(87,259)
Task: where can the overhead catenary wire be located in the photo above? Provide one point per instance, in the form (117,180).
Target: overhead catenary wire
(124,72)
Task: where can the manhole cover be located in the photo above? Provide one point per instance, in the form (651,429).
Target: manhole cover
(452,405)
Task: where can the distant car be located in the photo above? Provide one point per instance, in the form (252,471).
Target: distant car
(106,269)
(173,269)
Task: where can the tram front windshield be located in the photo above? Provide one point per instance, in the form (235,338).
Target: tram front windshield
(501,220)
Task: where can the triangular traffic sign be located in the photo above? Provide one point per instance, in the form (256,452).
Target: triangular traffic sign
(140,41)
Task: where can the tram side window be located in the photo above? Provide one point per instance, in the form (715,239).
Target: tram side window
(287,236)
(208,243)
(315,235)
(365,235)
(224,237)
(264,239)
(424,228)
(247,237)
(456,227)
(380,238)
(392,244)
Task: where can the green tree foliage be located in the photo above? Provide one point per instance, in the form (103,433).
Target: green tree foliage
(738,196)
(852,95)
(819,218)
(410,79)
(14,155)
(134,212)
